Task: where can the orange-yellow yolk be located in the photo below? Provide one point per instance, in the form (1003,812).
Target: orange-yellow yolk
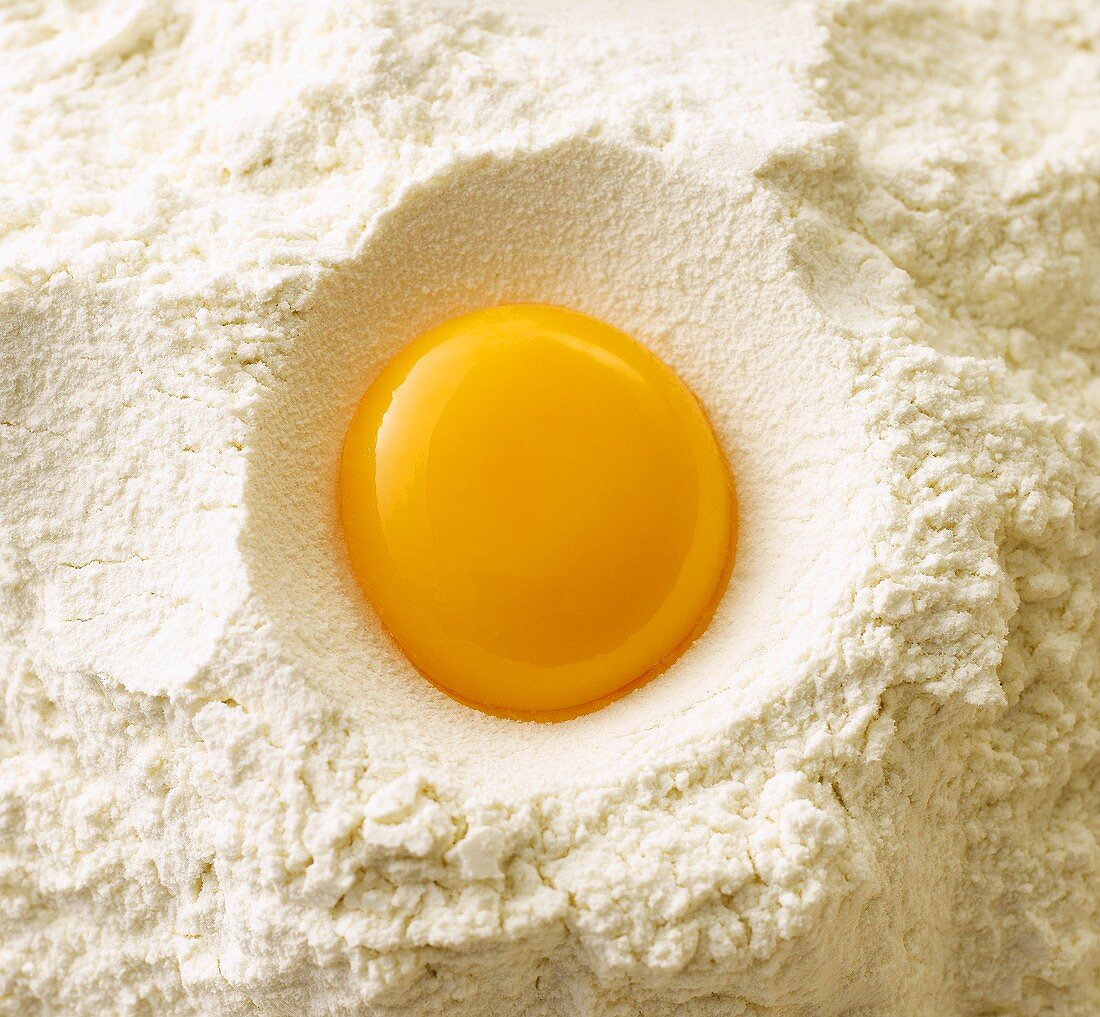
(537,508)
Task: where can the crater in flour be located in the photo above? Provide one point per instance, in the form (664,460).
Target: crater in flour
(633,241)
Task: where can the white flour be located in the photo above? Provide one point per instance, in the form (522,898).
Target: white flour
(867,234)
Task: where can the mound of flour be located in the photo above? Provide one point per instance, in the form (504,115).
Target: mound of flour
(866,233)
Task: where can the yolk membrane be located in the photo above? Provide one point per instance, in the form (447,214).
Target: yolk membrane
(538,510)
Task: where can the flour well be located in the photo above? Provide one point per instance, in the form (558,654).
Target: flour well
(867,235)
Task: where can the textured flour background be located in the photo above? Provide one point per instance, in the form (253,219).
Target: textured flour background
(867,234)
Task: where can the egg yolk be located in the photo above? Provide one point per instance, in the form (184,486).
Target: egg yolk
(538,510)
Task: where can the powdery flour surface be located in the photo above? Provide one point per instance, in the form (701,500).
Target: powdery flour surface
(866,233)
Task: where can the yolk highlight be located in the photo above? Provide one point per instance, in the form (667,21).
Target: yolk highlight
(538,510)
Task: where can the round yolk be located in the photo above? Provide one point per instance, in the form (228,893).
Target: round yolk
(537,508)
